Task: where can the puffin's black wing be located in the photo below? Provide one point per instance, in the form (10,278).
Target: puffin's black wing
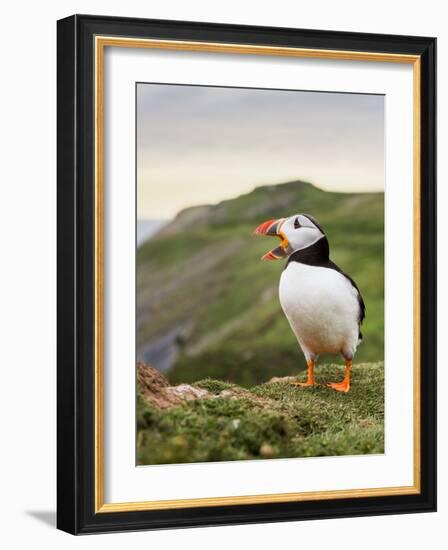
(362,305)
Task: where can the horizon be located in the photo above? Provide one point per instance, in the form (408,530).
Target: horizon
(201,205)
(201,145)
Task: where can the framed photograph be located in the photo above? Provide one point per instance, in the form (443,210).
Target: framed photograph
(246,274)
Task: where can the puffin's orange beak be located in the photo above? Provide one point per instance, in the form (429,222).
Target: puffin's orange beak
(273,228)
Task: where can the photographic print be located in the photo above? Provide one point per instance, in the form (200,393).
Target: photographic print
(246,262)
(260,269)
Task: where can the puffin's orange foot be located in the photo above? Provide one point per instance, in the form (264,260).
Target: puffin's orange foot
(343,386)
(310,378)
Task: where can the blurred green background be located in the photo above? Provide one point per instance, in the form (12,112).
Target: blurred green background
(208,307)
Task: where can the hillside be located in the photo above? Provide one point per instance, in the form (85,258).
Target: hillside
(208,307)
(212,420)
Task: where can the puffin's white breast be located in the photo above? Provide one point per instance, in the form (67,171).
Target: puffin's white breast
(322,308)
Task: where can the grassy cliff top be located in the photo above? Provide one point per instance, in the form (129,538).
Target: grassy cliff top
(212,420)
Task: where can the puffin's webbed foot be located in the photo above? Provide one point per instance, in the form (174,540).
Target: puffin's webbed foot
(310,382)
(343,386)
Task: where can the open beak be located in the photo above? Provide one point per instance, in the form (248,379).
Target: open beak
(273,228)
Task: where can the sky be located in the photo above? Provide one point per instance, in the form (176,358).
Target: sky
(200,145)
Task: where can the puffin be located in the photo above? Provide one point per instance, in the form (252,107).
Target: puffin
(323,304)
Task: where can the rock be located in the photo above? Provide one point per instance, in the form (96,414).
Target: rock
(266,450)
(241,393)
(282,379)
(156,390)
(188,393)
(150,378)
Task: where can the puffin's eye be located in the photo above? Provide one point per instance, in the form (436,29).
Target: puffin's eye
(296,223)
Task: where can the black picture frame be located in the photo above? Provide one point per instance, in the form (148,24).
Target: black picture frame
(76,264)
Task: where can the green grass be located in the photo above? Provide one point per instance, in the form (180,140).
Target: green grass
(275,421)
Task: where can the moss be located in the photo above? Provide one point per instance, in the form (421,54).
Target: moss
(213,386)
(281,421)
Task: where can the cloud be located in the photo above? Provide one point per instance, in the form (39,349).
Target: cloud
(200,144)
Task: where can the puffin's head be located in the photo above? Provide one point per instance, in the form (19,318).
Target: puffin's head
(295,233)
